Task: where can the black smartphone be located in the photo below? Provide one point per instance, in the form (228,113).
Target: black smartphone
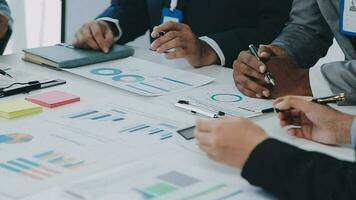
(187,133)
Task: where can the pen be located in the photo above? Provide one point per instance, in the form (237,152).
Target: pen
(268,76)
(28,87)
(160,34)
(2,72)
(183,104)
(325,100)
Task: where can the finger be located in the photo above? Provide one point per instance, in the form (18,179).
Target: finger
(203,125)
(203,138)
(206,148)
(297,102)
(296,132)
(83,40)
(251,85)
(88,40)
(167,26)
(265,52)
(178,53)
(247,58)
(164,39)
(109,38)
(175,43)
(247,92)
(98,36)
(251,72)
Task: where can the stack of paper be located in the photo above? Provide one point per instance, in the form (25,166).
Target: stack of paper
(18,108)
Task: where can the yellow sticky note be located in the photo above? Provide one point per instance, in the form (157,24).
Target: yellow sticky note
(18,108)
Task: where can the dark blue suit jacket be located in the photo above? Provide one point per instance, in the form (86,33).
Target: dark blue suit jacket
(233,24)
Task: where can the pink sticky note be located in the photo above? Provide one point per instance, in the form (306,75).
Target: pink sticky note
(53,99)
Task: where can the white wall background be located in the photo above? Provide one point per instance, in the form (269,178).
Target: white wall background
(37,23)
(79,12)
(90,11)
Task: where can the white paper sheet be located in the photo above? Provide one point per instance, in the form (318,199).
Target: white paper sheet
(64,145)
(142,77)
(220,97)
(175,179)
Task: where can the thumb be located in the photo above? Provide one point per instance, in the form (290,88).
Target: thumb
(265,52)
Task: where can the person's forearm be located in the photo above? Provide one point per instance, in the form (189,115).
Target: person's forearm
(291,173)
(307,36)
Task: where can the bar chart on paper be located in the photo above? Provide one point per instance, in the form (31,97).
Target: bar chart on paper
(60,160)
(29,168)
(15,138)
(158,183)
(119,123)
(41,166)
(142,77)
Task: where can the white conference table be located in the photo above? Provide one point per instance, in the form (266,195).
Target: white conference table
(88,89)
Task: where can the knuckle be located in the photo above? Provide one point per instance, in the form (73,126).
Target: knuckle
(170,23)
(242,55)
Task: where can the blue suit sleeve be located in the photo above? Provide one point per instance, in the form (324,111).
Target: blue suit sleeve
(270,21)
(132,15)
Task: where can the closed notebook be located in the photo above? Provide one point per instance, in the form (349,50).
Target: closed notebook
(18,108)
(66,56)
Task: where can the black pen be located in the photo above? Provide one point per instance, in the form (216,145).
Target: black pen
(268,76)
(4,73)
(160,34)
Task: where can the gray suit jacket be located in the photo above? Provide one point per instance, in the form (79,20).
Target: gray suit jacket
(308,36)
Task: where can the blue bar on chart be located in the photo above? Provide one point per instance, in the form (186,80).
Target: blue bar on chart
(118,111)
(74,165)
(83,114)
(166,136)
(118,119)
(45,155)
(155,87)
(139,128)
(135,128)
(178,81)
(168,126)
(155,131)
(100,117)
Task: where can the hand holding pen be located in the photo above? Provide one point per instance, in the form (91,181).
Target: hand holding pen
(177,40)
(250,73)
(268,75)
(315,121)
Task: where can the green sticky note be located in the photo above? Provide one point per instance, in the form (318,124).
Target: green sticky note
(18,108)
(161,189)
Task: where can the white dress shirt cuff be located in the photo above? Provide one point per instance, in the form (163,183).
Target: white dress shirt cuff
(319,85)
(215,46)
(353,133)
(116,22)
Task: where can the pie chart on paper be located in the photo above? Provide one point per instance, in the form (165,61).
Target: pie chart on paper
(226,97)
(15,138)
